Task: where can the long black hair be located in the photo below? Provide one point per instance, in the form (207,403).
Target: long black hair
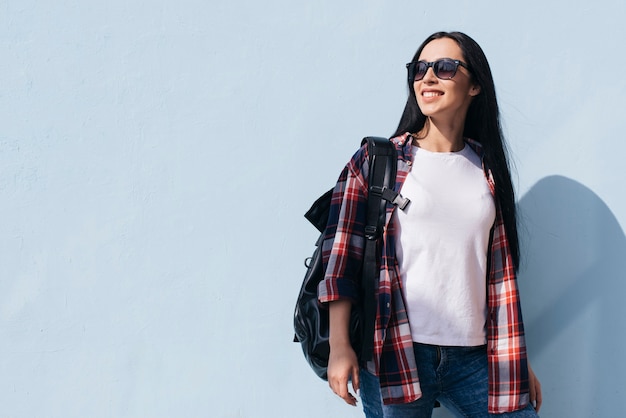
(482,124)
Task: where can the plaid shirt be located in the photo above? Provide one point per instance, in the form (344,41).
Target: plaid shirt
(394,361)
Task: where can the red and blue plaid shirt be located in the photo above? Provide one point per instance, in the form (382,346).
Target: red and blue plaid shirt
(394,361)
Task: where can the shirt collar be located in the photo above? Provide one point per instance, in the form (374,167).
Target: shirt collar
(404,144)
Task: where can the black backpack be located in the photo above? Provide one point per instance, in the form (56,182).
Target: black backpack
(310,317)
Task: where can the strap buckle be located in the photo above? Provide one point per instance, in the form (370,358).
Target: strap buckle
(371,232)
(391,196)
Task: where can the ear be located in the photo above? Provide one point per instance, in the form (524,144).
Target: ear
(475,90)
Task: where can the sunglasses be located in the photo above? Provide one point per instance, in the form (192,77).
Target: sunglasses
(444,69)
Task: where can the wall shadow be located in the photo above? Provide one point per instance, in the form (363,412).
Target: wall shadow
(572,285)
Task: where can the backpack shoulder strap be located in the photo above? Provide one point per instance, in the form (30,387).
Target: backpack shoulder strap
(382,176)
(383,161)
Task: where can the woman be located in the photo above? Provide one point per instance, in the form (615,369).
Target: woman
(439,336)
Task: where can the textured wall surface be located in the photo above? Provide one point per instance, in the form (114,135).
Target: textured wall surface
(156,158)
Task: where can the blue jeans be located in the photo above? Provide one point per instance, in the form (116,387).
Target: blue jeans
(457,377)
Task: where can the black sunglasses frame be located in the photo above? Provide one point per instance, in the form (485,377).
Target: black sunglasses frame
(412,68)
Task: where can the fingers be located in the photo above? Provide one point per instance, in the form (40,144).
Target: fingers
(356,380)
(339,384)
(536,398)
(350,399)
(340,388)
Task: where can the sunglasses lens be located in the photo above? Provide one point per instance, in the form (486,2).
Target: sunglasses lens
(419,70)
(445,69)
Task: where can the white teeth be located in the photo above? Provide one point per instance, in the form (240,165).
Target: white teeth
(431,94)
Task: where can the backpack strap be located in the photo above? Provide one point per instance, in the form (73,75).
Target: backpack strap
(383,160)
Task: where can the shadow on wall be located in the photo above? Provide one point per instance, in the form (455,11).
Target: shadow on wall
(573,287)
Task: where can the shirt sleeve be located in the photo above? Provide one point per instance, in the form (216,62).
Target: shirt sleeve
(344,241)
(506,345)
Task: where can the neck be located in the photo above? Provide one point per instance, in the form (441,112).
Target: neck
(440,137)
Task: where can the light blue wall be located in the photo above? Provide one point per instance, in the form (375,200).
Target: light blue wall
(156,158)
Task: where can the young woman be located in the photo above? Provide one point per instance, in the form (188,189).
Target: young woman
(449,326)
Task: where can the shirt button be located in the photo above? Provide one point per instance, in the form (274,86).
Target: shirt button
(409,163)
(388,304)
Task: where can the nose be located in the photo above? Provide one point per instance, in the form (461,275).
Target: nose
(430,76)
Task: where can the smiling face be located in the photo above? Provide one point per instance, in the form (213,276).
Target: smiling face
(445,100)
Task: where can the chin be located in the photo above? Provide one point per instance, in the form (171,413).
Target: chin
(426,111)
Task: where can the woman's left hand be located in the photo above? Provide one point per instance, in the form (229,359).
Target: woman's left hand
(535,389)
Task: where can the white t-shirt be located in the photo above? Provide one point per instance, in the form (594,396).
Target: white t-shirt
(442,247)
